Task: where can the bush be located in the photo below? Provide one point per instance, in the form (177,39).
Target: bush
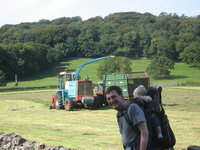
(116,65)
(159,67)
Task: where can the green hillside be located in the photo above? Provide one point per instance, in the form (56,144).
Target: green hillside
(32,47)
(181,74)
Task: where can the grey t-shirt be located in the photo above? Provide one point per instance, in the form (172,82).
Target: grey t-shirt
(136,116)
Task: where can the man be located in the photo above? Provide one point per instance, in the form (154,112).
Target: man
(132,139)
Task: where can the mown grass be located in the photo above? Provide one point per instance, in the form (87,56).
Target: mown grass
(27,114)
(181,74)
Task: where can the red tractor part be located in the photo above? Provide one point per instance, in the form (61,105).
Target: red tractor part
(53,101)
(69,105)
(99,93)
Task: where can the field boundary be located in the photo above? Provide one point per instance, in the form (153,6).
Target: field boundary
(55,86)
(27,88)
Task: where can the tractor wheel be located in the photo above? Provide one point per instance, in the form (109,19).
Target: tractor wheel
(58,100)
(97,103)
(104,101)
(69,105)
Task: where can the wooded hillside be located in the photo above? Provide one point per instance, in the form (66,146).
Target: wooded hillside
(28,48)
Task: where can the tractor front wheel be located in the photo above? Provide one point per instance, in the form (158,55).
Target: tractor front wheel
(58,100)
(69,105)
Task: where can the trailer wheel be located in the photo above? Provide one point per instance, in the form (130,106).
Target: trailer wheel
(104,101)
(97,103)
(69,105)
(59,100)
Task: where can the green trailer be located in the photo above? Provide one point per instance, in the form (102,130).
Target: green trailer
(127,82)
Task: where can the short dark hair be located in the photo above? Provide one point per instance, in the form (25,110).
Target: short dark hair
(112,88)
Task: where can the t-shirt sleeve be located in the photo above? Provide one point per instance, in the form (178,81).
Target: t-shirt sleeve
(136,114)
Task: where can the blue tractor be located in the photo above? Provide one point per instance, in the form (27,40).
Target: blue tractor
(75,93)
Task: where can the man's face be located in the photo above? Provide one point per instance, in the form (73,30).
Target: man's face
(115,100)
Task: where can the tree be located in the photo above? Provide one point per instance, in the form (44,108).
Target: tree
(66,49)
(159,67)
(163,47)
(118,65)
(88,40)
(2,78)
(131,42)
(183,41)
(145,40)
(108,44)
(7,61)
(25,59)
(125,52)
(191,54)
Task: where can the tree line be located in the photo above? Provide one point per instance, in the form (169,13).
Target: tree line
(28,48)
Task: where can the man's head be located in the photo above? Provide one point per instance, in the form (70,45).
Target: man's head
(139,91)
(115,98)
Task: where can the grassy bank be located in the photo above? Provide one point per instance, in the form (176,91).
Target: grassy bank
(181,74)
(27,114)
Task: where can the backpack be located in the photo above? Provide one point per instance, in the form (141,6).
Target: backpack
(168,140)
(137,141)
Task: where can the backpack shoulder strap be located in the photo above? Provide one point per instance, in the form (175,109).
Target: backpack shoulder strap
(128,120)
(126,115)
(130,123)
(160,96)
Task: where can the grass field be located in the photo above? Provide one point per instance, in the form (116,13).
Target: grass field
(182,73)
(27,114)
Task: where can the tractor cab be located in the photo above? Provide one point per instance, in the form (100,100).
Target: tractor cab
(63,77)
(68,76)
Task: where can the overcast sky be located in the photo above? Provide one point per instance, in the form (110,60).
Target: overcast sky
(18,11)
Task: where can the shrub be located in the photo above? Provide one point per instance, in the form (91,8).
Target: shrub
(159,67)
(116,65)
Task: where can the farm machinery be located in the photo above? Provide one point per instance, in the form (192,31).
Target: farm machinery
(126,81)
(75,93)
